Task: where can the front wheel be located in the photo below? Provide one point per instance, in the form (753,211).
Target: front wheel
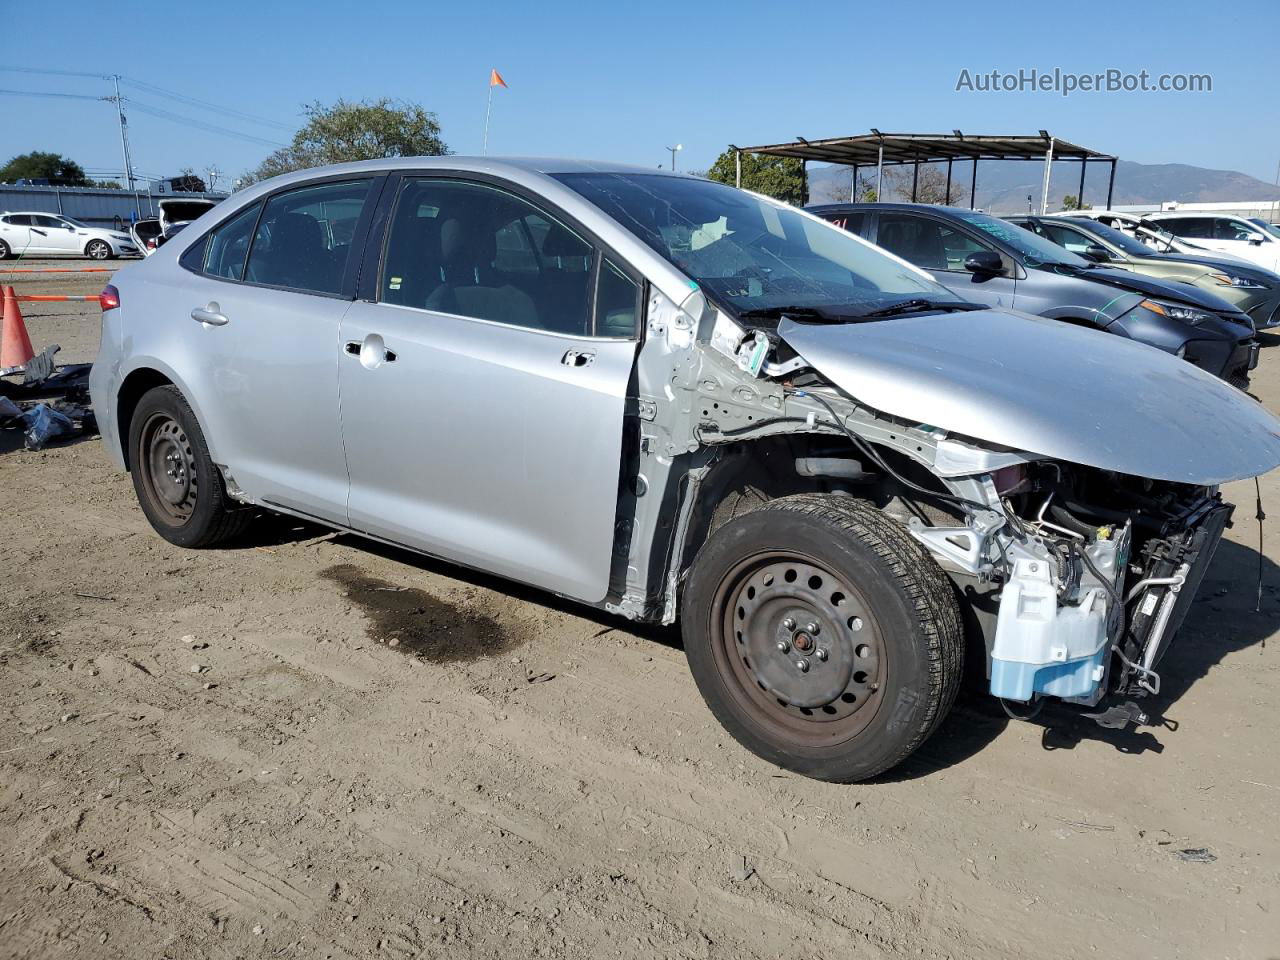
(97,250)
(822,636)
(5,252)
(178,487)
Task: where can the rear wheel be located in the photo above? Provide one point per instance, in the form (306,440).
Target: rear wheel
(97,250)
(178,487)
(822,636)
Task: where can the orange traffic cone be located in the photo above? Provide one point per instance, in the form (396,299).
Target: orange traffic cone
(15,345)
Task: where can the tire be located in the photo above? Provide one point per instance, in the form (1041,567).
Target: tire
(887,619)
(5,252)
(98,250)
(178,487)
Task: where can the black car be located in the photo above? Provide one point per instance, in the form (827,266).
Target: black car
(997,263)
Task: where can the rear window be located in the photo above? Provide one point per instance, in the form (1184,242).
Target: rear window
(303,240)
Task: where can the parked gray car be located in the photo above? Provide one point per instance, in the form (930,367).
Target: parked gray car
(667,398)
(989,260)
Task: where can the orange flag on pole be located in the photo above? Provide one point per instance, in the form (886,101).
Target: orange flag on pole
(495,79)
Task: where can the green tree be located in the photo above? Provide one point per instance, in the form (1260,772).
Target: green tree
(779,177)
(368,130)
(38,165)
(1072,202)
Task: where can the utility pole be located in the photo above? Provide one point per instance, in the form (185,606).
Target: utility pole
(124,135)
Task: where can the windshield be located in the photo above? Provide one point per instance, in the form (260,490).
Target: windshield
(1035,249)
(752,254)
(1113,236)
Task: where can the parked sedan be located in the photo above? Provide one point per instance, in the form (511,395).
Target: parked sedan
(667,398)
(1249,288)
(992,261)
(53,235)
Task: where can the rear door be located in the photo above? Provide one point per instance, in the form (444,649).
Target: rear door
(940,247)
(17,233)
(483,385)
(260,316)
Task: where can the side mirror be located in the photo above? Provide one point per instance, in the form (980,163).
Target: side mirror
(984,261)
(1097,253)
(1255,239)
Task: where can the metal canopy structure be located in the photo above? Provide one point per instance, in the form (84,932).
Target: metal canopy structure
(876,149)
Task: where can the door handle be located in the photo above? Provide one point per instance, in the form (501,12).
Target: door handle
(578,358)
(209,314)
(373,342)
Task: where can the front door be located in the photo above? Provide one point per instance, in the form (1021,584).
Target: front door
(58,236)
(483,392)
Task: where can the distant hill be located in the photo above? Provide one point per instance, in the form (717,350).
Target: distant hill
(1003,186)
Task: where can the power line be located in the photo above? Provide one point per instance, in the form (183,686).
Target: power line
(198,124)
(154,111)
(40,93)
(55,73)
(159,91)
(206,105)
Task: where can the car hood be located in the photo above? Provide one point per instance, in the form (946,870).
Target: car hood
(1049,388)
(1154,287)
(1215,262)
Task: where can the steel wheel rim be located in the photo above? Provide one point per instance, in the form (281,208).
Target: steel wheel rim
(832,698)
(98,250)
(168,468)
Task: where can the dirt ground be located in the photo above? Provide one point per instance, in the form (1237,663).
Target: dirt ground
(304,747)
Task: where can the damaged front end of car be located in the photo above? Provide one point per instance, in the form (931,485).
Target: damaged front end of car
(1069,493)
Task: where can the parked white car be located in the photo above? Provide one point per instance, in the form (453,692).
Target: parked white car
(52,235)
(1226,233)
(1158,238)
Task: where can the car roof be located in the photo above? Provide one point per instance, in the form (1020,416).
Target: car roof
(43,213)
(493,165)
(1180,214)
(933,207)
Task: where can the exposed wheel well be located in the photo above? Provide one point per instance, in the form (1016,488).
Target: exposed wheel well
(135,385)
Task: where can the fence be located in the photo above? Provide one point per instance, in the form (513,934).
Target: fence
(95,206)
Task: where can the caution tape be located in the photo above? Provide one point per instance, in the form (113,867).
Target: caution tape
(58,269)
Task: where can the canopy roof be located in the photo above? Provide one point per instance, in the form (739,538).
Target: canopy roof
(864,149)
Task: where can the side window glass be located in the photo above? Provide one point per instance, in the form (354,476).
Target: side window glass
(957,246)
(1073,240)
(1193,227)
(915,239)
(48,223)
(848,221)
(229,245)
(617,303)
(477,251)
(304,237)
(1231,230)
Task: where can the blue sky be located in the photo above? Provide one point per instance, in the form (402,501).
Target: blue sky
(621,81)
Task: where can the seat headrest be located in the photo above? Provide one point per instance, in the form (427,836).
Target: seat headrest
(562,242)
(297,231)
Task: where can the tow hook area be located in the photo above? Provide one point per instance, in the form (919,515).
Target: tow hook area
(1120,716)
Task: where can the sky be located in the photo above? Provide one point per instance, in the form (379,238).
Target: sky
(623,81)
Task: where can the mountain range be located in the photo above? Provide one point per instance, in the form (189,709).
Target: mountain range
(1003,186)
